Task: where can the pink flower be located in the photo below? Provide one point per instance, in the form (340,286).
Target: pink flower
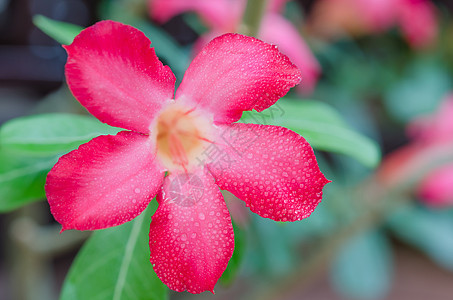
(418,22)
(415,18)
(436,189)
(432,138)
(110,180)
(436,128)
(224,16)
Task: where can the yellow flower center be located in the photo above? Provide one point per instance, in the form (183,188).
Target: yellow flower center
(181,135)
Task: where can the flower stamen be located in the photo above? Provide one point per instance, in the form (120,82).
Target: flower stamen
(180,135)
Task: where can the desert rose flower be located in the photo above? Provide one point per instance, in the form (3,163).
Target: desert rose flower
(415,18)
(182,147)
(436,189)
(432,137)
(224,16)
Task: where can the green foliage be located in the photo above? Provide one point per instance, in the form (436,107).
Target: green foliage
(235,262)
(114,265)
(429,230)
(62,32)
(271,249)
(30,146)
(50,134)
(22,179)
(424,85)
(321,126)
(363,267)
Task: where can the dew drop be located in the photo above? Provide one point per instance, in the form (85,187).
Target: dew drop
(201,216)
(137,190)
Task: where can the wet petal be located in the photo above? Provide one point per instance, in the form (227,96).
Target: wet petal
(271,168)
(114,73)
(191,236)
(106,182)
(234,73)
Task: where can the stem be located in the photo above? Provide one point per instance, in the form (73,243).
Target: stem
(252,17)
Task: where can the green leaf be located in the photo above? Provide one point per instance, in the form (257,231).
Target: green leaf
(270,250)
(22,179)
(363,267)
(431,231)
(50,134)
(420,91)
(235,262)
(114,264)
(321,126)
(62,32)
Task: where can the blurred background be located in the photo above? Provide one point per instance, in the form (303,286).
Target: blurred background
(377,80)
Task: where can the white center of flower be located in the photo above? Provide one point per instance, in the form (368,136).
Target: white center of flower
(181,135)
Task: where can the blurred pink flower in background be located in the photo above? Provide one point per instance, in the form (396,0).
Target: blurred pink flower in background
(436,128)
(432,137)
(224,16)
(415,18)
(436,189)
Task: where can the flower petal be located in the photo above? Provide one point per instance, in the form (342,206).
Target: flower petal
(219,14)
(114,73)
(271,168)
(234,73)
(106,182)
(191,237)
(378,15)
(277,30)
(434,128)
(276,5)
(418,22)
(437,188)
